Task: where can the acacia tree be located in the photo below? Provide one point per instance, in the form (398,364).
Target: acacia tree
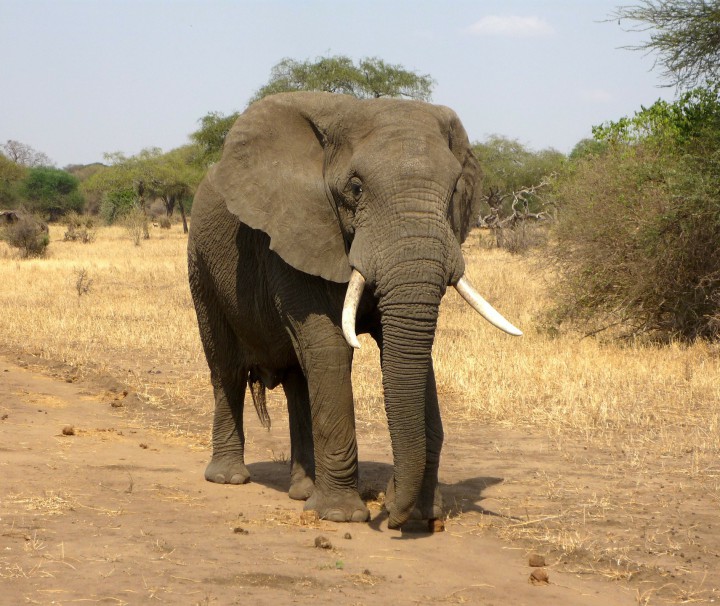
(209,138)
(685,34)
(129,182)
(173,178)
(370,78)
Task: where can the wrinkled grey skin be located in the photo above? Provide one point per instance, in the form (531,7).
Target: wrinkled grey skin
(310,186)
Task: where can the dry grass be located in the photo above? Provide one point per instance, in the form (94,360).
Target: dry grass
(653,412)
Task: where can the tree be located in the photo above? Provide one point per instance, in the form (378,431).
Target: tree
(130,181)
(209,138)
(11,174)
(24,155)
(173,178)
(52,191)
(371,78)
(685,34)
(514,182)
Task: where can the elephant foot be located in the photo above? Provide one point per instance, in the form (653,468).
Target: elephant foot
(227,470)
(301,488)
(341,506)
(429,505)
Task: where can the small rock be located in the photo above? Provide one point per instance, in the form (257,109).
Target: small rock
(145,446)
(367,572)
(539,576)
(436,525)
(348,535)
(536,561)
(68,430)
(5,416)
(240,530)
(322,542)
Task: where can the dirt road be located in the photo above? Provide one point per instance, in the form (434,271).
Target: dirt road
(116,513)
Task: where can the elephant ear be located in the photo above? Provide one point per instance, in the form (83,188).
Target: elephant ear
(465,203)
(271,177)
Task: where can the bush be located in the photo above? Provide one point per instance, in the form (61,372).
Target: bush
(637,243)
(52,191)
(78,228)
(28,234)
(136,223)
(116,204)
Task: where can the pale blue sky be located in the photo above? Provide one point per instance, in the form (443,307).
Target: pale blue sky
(80,78)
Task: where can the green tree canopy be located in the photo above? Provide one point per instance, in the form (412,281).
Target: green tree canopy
(685,34)
(52,191)
(370,78)
(129,181)
(209,138)
(508,165)
(11,174)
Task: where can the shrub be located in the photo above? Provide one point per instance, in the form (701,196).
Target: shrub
(78,228)
(638,233)
(136,223)
(116,204)
(28,234)
(52,191)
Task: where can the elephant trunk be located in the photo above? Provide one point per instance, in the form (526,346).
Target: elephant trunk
(408,330)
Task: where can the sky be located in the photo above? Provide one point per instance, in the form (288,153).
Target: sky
(81,78)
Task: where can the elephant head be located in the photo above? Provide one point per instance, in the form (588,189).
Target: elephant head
(377,194)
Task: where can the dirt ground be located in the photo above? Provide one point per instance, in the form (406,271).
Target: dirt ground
(97,507)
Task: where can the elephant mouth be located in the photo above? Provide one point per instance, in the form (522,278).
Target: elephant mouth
(463,286)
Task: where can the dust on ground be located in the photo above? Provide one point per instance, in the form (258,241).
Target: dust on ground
(97,506)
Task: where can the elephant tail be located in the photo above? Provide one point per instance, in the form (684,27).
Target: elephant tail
(257,389)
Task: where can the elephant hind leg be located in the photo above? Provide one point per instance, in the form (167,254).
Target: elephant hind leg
(227,465)
(302,470)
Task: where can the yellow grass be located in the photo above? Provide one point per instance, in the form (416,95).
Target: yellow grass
(138,316)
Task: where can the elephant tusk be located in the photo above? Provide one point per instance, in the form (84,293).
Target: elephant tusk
(352,300)
(487,311)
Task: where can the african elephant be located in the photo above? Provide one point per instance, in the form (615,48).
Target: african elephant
(329,216)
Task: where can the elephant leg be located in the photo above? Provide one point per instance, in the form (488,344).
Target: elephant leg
(429,505)
(227,465)
(326,361)
(302,470)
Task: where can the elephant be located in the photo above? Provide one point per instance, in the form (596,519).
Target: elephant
(326,217)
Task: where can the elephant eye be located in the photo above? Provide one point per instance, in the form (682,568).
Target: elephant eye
(355,187)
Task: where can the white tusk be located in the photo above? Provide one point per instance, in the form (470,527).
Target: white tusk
(487,311)
(352,300)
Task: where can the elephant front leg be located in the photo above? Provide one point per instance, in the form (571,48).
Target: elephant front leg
(326,361)
(227,465)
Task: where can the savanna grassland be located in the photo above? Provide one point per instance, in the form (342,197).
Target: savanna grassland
(612,449)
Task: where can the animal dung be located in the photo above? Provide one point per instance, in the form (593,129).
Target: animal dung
(322,542)
(539,576)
